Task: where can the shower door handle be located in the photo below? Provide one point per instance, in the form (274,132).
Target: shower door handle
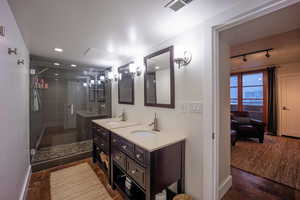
(71,108)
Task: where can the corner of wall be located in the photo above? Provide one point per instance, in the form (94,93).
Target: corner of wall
(25,186)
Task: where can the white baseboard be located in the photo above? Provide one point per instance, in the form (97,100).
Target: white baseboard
(225,186)
(26,184)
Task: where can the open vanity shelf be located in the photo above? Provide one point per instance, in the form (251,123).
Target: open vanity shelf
(150,172)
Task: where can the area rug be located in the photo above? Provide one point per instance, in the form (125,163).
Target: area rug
(77,183)
(277,159)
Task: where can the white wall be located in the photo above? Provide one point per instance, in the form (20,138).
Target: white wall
(224,144)
(14,110)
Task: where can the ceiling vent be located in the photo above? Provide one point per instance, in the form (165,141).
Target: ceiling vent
(176,5)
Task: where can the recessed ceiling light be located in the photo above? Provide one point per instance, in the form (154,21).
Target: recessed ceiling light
(56,64)
(58,50)
(73,65)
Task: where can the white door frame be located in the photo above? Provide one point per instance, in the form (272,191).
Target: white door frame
(261,11)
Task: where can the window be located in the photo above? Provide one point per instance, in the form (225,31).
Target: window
(247,94)
(234,93)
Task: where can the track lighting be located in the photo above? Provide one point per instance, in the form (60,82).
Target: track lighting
(253,52)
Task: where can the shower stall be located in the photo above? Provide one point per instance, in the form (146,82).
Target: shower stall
(63,102)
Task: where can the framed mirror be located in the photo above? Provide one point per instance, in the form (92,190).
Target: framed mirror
(125,85)
(159,83)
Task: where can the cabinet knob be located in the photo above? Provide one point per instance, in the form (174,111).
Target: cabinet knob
(138,156)
(124,147)
(102,145)
(133,171)
(117,157)
(114,140)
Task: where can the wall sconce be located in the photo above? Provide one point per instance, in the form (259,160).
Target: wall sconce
(20,61)
(182,57)
(135,69)
(110,75)
(2,31)
(12,51)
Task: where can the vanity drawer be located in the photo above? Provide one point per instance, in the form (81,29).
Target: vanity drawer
(120,158)
(136,172)
(126,147)
(102,144)
(115,140)
(140,154)
(102,133)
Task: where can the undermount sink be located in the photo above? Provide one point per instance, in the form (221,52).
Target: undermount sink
(113,123)
(143,133)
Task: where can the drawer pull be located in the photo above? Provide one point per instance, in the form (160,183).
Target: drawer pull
(138,156)
(124,147)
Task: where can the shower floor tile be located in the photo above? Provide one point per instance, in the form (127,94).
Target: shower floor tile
(64,150)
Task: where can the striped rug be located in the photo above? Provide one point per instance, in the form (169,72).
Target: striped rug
(77,183)
(277,159)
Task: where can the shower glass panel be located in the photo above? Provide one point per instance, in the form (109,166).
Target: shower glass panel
(63,101)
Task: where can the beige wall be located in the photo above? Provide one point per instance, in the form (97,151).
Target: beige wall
(286,50)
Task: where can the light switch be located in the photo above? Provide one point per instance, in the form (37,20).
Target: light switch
(191,107)
(2,31)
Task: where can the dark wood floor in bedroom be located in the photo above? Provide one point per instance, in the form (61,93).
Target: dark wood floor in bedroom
(246,186)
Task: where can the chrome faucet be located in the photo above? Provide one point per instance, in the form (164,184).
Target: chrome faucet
(154,123)
(122,116)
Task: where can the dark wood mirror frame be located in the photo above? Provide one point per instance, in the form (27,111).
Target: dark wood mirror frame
(172,78)
(132,86)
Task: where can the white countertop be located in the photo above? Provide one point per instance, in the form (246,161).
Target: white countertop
(150,143)
(113,123)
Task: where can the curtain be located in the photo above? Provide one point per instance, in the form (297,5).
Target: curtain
(272,102)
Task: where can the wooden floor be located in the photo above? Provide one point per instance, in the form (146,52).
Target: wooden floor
(245,186)
(39,187)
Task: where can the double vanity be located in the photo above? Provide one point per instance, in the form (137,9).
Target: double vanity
(133,154)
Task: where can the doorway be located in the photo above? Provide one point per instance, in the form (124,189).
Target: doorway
(223,96)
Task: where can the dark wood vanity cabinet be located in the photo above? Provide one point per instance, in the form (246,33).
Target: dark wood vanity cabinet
(149,172)
(102,148)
